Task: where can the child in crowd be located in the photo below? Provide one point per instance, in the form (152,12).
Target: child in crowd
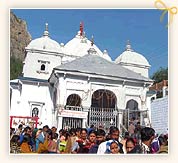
(112,147)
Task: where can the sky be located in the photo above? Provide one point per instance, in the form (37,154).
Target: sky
(111,29)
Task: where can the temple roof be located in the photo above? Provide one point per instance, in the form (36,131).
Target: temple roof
(93,64)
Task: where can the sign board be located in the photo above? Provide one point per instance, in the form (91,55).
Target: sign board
(73,114)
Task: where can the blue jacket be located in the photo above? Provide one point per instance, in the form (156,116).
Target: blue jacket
(93,149)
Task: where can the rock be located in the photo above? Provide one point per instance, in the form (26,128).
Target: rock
(19,37)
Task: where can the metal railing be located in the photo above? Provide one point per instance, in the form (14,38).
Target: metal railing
(74,108)
(104,117)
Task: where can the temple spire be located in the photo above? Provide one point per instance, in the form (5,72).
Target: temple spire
(81,28)
(92,40)
(46,33)
(92,49)
(128,46)
(46,26)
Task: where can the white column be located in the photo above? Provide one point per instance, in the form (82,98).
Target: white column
(59,126)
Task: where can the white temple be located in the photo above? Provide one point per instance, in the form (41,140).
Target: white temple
(76,85)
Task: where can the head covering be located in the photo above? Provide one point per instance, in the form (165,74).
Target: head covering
(108,145)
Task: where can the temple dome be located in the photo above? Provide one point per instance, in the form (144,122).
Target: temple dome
(133,61)
(132,58)
(80,45)
(45,43)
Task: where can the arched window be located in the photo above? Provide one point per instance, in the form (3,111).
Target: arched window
(73,100)
(103,98)
(42,67)
(35,112)
(132,105)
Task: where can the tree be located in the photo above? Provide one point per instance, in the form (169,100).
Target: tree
(160,75)
(16,67)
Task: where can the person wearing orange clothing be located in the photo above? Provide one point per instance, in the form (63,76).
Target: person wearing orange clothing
(25,147)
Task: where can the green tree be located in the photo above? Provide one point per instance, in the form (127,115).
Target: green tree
(16,67)
(160,75)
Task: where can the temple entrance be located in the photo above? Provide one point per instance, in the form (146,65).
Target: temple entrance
(132,106)
(133,114)
(73,106)
(130,113)
(103,109)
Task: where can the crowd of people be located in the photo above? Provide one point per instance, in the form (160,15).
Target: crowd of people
(86,141)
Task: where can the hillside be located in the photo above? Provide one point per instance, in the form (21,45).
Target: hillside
(19,39)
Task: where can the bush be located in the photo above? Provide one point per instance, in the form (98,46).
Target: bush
(16,67)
